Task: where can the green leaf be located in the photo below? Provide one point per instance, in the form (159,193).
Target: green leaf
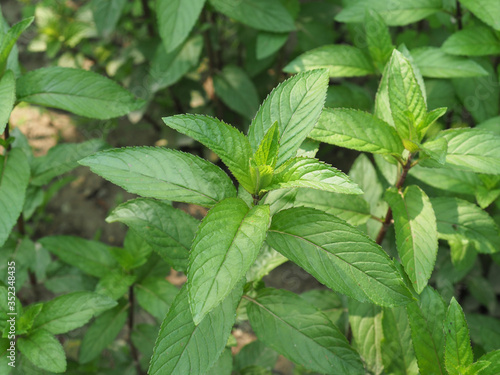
(102,332)
(267,15)
(378,38)
(493,358)
(9,39)
(61,159)
(168,68)
(78,91)
(458,352)
(398,355)
(308,149)
(163,174)
(473,41)
(255,353)
(70,311)
(487,11)
(426,318)
(267,260)
(435,63)
(43,350)
(297,330)
(394,13)
(224,364)
(269,43)
(167,230)
(314,174)
(366,326)
(135,251)
(185,348)
(484,331)
(14,179)
(237,91)
(406,100)
(457,218)
(106,15)
(223,139)
(176,19)
(348,95)
(338,255)
(447,178)
(155,295)
(296,104)
(416,233)
(429,120)
(472,150)
(357,130)
(91,257)
(228,241)
(115,284)
(267,153)
(340,60)
(7,98)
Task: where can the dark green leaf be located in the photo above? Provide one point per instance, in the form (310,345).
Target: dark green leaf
(7,98)
(155,295)
(106,15)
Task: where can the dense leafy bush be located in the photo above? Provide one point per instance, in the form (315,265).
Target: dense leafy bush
(406,244)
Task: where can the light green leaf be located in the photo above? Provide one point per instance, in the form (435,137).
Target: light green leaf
(291,326)
(155,295)
(398,355)
(227,243)
(223,139)
(340,60)
(7,98)
(70,311)
(366,326)
(79,91)
(435,151)
(457,219)
(163,174)
(487,11)
(394,13)
(91,257)
(106,15)
(135,251)
(267,153)
(9,39)
(338,255)
(176,19)
(314,174)
(406,100)
(268,43)
(429,120)
(102,332)
(237,91)
(61,159)
(296,104)
(308,149)
(458,352)
(473,41)
(416,233)
(115,284)
(493,358)
(168,68)
(267,260)
(426,318)
(185,348)
(435,63)
(378,38)
(267,15)
(43,350)
(167,230)
(357,130)
(14,179)
(472,150)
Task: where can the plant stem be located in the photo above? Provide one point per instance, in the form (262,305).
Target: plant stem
(459,16)
(133,349)
(388,217)
(7,136)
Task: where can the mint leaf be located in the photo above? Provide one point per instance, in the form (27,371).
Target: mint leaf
(487,11)
(176,19)
(338,255)
(78,91)
(43,350)
(155,295)
(378,38)
(416,233)
(223,139)
(267,153)
(357,130)
(7,98)
(269,43)
(473,41)
(14,179)
(9,39)
(296,105)
(340,60)
(314,174)
(458,352)
(185,348)
(227,243)
(106,15)
(167,230)
(296,329)
(163,174)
